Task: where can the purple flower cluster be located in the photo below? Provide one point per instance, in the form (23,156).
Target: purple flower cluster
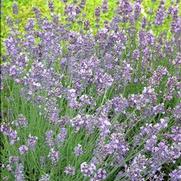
(23,149)
(31,142)
(69,170)
(89,170)
(176,174)
(10,133)
(78,150)
(54,156)
(21,122)
(110,97)
(160,15)
(16,168)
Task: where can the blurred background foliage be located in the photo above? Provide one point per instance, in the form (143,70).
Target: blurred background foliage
(25,12)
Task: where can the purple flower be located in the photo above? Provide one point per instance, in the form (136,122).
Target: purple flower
(78,150)
(158,75)
(97,12)
(177,111)
(136,54)
(159,109)
(23,149)
(14,160)
(124,9)
(49,138)
(162,124)
(137,9)
(77,122)
(87,170)
(160,15)
(100,174)
(137,167)
(21,122)
(15,8)
(61,136)
(19,172)
(54,156)
(105,6)
(86,100)
(51,6)
(150,143)
(104,125)
(144,22)
(86,25)
(103,80)
(126,72)
(72,98)
(175,175)
(71,12)
(10,133)
(30,25)
(69,170)
(31,142)
(119,104)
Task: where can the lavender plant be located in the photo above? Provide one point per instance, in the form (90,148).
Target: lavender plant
(99,103)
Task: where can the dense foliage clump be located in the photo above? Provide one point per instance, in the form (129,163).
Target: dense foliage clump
(101,102)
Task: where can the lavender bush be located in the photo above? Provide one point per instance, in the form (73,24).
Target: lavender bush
(99,103)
